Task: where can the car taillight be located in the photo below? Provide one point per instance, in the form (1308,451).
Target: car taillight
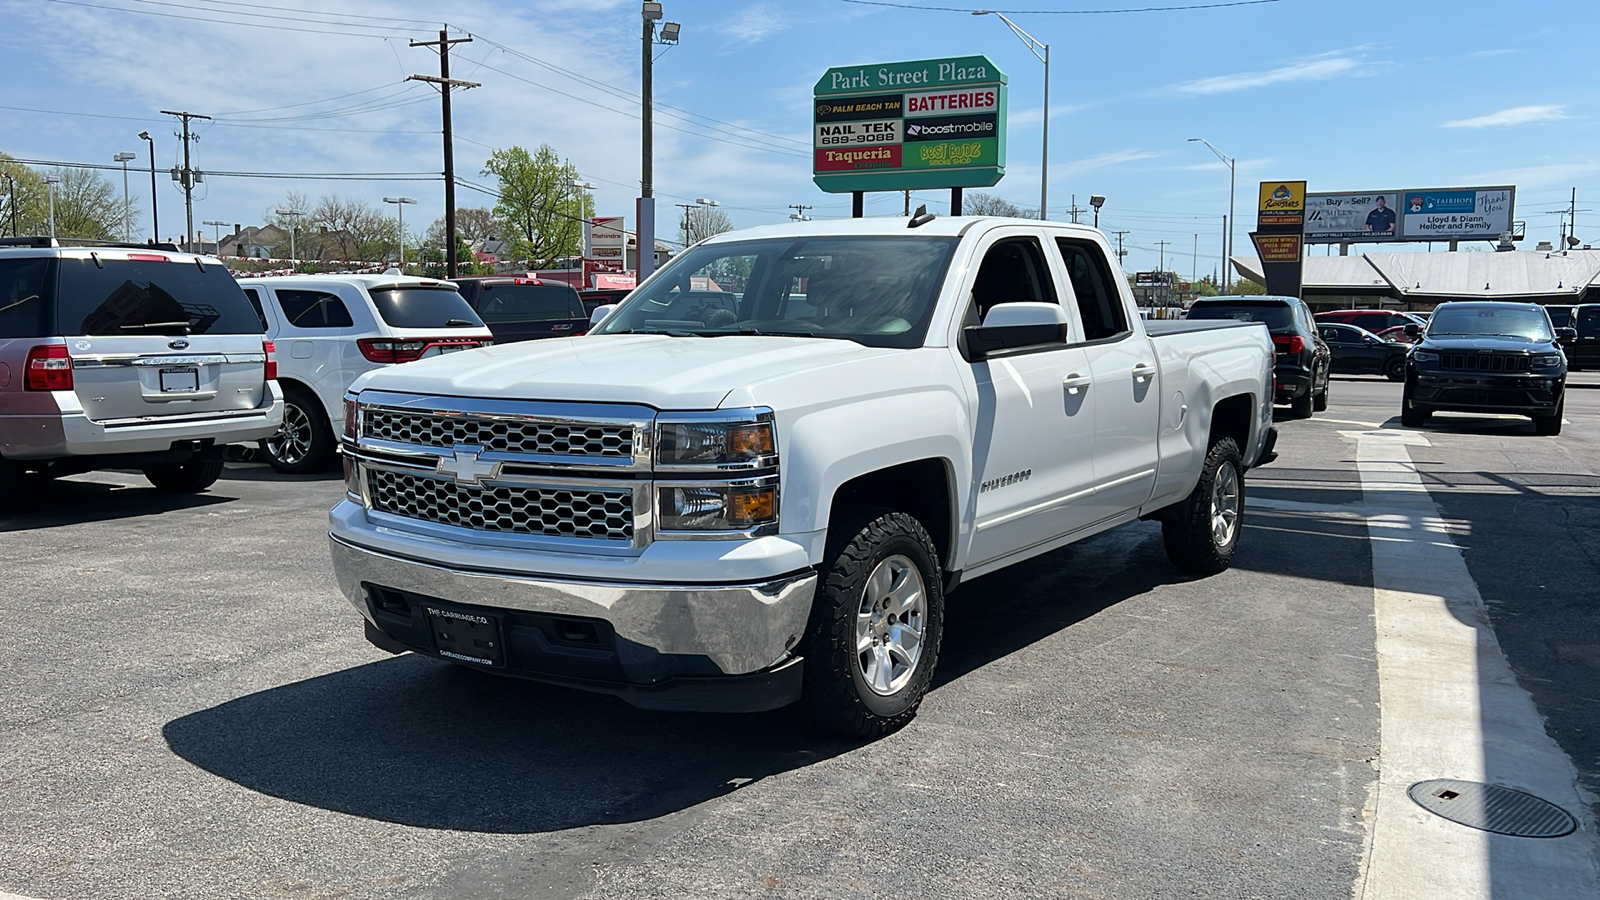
(270,351)
(1290,345)
(388,350)
(49,368)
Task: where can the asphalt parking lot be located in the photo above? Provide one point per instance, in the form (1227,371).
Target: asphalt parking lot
(192,711)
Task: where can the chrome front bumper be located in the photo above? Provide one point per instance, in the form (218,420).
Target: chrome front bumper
(740,629)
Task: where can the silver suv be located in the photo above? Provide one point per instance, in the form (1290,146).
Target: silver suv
(126,356)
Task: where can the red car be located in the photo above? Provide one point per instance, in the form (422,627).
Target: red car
(1398,333)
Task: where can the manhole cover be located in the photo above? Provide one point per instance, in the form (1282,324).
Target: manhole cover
(1492,808)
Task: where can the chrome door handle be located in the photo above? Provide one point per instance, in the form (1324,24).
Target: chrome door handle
(1074,383)
(1142,372)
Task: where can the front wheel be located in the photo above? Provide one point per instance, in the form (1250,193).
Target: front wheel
(191,477)
(1395,369)
(1202,531)
(1410,415)
(1550,426)
(875,626)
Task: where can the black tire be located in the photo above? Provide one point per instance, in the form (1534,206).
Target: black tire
(305,443)
(1190,528)
(837,694)
(191,477)
(1550,426)
(1395,369)
(1320,401)
(1301,406)
(1411,415)
(16,485)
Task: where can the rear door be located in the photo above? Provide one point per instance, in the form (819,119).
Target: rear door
(1586,349)
(157,335)
(518,309)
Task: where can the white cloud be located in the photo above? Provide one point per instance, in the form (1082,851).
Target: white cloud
(1034,115)
(754,23)
(1316,68)
(1103,161)
(1516,115)
(1536,176)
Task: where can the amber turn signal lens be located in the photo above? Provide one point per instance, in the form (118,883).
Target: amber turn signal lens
(749,441)
(747,508)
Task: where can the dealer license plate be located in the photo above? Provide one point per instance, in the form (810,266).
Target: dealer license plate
(468,637)
(180,381)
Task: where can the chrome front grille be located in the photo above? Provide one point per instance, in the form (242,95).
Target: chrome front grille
(585,513)
(500,434)
(1485,362)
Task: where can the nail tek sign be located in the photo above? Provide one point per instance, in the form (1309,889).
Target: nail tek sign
(933,123)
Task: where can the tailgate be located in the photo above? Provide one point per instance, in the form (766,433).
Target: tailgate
(138,377)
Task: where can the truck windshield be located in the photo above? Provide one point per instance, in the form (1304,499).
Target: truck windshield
(877,291)
(1499,321)
(1277,316)
(424,308)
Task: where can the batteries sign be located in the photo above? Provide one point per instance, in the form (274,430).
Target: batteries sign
(910,126)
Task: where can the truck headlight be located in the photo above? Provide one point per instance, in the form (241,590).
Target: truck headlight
(725,439)
(1547,361)
(1424,356)
(735,506)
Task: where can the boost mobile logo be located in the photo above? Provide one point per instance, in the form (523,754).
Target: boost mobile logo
(912,130)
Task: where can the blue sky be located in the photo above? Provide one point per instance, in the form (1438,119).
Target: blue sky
(1346,94)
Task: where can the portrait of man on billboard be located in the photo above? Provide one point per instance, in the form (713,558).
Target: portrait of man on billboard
(1381,219)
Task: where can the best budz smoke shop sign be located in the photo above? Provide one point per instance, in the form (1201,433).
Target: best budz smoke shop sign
(932,123)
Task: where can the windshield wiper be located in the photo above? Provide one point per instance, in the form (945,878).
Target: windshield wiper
(669,332)
(459,323)
(768,332)
(162,325)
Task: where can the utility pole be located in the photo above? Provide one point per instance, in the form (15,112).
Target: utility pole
(799,214)
(127,205)
(446,83)
(1194,261)
(1162,246)
(189,176)
(1121,253)
(685,207)
(1074,210)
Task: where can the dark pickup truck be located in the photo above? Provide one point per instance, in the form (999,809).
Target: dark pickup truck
(1487,357)
(524,309)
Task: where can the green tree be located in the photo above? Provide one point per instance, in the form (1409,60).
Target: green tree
(539,208)
(1244,287)
(87,206)
(29,193)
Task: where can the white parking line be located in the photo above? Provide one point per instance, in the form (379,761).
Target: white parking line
(1451,708)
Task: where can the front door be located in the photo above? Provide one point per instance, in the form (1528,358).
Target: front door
(1033,438)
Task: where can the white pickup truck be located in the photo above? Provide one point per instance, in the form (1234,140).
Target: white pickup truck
(756,480)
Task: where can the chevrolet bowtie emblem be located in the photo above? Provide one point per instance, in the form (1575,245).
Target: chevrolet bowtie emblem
(465,466)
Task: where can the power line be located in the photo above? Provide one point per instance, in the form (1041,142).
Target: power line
(151,12)
(1066,12)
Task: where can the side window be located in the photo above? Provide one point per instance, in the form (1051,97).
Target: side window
(314,309)
(25,297)
(254,296)
(1329,333)
(1098,301)
(1013,271)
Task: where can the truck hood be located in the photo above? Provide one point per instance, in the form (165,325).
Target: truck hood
(654,370)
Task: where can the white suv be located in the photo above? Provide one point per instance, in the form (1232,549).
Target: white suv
(125,356)
(329,329)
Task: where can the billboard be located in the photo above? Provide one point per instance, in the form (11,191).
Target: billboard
(1417,214)
(931,123)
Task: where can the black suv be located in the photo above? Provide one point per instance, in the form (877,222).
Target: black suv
(522,309)
(1303,359)
(1583,344)
(1487,357)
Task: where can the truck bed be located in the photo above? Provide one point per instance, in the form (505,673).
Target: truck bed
(1158,328)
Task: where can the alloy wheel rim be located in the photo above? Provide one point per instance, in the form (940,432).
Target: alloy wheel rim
(292,441)
(1224,505)
(890,623)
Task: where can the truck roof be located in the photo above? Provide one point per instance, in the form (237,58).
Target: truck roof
(887,226)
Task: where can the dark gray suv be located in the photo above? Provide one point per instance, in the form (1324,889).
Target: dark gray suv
(126,356)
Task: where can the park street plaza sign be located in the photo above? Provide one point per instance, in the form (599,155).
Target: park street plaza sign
(931,123)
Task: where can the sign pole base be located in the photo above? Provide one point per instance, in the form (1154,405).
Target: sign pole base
(858,204)
(955,201)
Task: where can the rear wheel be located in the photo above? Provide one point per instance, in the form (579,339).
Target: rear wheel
(1202,531)
(1550,425)
(1395,369)
(304,443)
(191,477)
(1320,401)
(1410,415)
(875,626)
(1301,406)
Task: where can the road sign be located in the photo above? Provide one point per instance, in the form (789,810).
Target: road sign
(931,123)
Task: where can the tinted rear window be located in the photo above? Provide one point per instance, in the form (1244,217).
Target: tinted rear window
(424,308)
(511,302)
(1276,316)
(126,297)
(24,291)
(1588,320)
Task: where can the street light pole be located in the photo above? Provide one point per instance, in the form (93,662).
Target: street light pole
(1042,52)
(216,232)
(155,220)
(127,208)
(1231,225)
(646,214)
(50,182)
(1097,201)
(293,215)
(400,210)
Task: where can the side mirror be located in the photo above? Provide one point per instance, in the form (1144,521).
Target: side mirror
(599,315)
(1413,330)
(1566,334)
(1011,325)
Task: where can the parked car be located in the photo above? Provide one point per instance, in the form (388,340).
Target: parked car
(1582,346)
(1373,320)
(1303,359)
(1357,351)
(126,356)
(332,328)
(595,298)
(524,309)
(698,512)
(1487,357)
